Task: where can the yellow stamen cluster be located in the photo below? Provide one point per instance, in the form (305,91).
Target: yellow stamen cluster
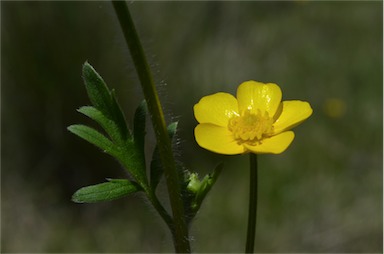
(250,127)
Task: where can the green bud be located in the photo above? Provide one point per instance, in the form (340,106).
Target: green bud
(194,183)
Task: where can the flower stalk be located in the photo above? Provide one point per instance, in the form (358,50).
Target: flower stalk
(252,211)
(180,230)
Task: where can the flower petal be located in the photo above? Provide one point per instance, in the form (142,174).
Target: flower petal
(275,144)
(253,95)
(216,109)
(292,114)
(217,139)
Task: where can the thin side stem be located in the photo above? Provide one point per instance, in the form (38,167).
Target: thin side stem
(163,213)
(181,239)
(252,212)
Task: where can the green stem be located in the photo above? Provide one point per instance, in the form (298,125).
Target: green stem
(252,212)
(181,239)
(163,213)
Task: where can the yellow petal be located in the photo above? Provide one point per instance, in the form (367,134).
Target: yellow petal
(254,95)
(292,114)
(216,109)
(217,139)
(275,144)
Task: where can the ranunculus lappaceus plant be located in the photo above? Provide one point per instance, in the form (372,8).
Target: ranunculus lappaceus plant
(257,121)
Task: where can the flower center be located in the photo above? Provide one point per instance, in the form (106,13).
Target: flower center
(251,128)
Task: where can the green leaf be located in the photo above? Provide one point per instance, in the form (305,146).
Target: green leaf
(139,125)
(98,91)
(113,189)
(94,137)
(107,113)
(134,161)
(104,99)
(119,118)
(108,125)
(156,169)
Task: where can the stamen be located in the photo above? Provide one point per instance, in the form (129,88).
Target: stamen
(251,128)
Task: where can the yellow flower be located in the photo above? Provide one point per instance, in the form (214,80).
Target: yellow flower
(257,121)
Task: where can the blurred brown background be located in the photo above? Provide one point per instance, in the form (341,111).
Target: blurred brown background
(324,194)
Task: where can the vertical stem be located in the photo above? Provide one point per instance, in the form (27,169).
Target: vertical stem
(252,212)
(180,234)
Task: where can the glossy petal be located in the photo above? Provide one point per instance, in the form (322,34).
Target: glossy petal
(216,109)
(255,95)
(217,139)
(292,114)
(275,144)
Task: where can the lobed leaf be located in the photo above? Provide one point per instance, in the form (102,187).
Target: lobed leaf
(108,125)
(134,161)
(107,113)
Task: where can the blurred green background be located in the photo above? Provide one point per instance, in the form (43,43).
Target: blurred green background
(324,194)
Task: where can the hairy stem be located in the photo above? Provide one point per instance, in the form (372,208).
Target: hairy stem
(180,233)
(252,212)
(163,213)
